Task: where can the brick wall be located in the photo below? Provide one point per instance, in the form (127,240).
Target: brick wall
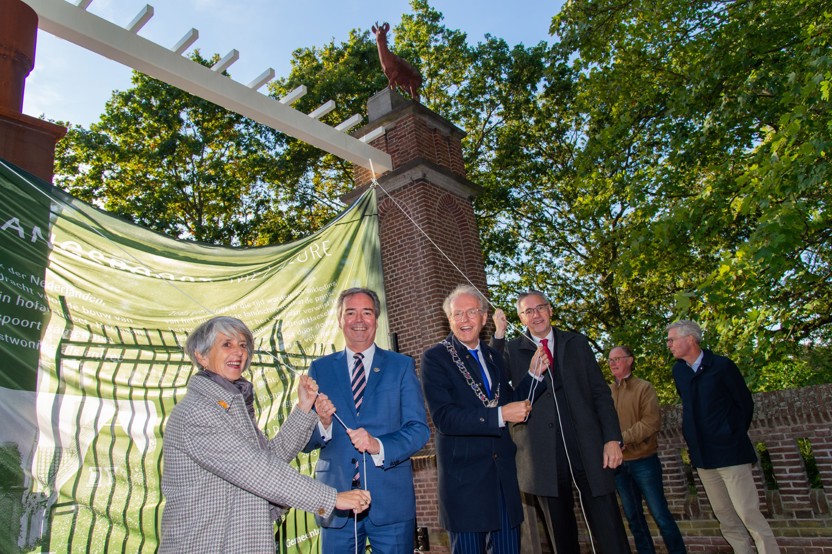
(429,245)
(413,133)
(417,276)
(799,515)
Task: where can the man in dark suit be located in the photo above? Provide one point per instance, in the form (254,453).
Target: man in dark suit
(716,414)
(470,402)
(376,394)
(572,438)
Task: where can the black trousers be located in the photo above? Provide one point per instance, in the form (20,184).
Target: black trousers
(602,512)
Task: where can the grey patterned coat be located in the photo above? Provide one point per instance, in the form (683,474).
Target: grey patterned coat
(217,480)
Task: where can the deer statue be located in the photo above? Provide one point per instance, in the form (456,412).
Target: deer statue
(399,73)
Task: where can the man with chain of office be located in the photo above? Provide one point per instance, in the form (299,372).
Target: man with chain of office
(471,403)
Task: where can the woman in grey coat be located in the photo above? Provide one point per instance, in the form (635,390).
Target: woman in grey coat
(224,482)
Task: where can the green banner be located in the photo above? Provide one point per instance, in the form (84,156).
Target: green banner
(93,315)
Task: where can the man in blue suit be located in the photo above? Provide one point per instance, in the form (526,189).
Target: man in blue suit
(471,401)
(376,394)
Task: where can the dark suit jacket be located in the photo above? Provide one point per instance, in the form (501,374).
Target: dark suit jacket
(475,456)
(393,411)
(590,407)
(716,412)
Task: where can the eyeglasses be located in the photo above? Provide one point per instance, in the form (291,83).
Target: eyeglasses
(470,314)
(618,359)
(528,312)
(671,340)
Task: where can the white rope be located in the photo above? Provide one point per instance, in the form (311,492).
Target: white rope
(364,459)
(519,332)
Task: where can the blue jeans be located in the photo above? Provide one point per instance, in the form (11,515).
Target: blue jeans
(639,479)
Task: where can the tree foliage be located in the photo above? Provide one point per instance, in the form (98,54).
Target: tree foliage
(655,162)
(173,163)
(678,167)
(347,74)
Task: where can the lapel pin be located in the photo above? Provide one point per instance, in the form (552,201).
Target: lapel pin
(376,370)
(223,403)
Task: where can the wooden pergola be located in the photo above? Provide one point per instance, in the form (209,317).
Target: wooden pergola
(74,23)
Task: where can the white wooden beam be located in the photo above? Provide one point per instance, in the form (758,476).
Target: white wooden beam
(294,95)
(373,135)
(226,61)
(262,79)
(141,18)
(322,110)
(89,31)
(186,41)
(345,126)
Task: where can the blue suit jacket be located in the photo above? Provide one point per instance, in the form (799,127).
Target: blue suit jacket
(393,411)
(475,456)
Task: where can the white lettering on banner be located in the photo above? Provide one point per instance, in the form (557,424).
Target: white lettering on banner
(16,284)
(14,341)
(303,538)
(13,224)
(70,292)
(31,304)
(315,251)
(72,247)
(19,322)
(101,316)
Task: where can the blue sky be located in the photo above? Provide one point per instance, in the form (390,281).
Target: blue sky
(72,84)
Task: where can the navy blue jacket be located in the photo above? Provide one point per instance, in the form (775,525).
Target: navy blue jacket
(716,412)
(475,456)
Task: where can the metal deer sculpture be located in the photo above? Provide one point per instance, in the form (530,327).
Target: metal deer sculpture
(399,73)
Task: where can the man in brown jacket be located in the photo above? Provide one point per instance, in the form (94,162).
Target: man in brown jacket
(640,476)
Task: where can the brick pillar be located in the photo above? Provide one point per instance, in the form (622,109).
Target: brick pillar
(25,141)
(427,188)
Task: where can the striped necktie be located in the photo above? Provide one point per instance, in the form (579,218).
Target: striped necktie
(359,381)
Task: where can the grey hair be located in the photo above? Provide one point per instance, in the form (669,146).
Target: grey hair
(530,292)
(202,339)
(687,328)
(627,350)
(352,292)
(459,291)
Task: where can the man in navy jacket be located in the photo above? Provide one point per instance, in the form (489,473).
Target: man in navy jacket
(716,414)
(470,402)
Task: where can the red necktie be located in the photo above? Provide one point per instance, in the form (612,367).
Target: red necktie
(545,344)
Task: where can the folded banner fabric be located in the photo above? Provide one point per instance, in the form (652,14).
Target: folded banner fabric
(94,312)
